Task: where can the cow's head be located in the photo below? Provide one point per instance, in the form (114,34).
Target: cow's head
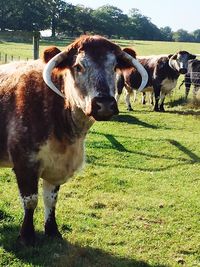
(88,66)
(179,61)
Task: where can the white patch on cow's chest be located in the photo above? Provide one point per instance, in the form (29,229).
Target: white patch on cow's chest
(167,85)
(59,161)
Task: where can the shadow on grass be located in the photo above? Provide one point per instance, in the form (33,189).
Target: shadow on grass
(190,108)
(177,102)
(133,120)
(194,158)
(55,253)
(185,112)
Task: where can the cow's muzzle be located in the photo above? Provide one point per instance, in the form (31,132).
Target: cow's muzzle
(103,108)
(182,70)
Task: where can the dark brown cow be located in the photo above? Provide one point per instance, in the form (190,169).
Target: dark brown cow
(42,132)
(163,72)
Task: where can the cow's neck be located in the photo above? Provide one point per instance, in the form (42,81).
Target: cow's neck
(80,123)
(70,120)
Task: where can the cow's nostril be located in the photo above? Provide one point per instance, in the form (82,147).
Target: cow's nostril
(183,71)
(104,108)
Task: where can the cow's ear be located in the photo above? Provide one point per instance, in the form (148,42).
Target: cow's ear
(123,64)
(130,51)
(171,55)
(67,56)
(49,53)
(122,61)
(192,56)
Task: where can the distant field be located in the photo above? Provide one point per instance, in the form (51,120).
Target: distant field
(142,47)
(135,204)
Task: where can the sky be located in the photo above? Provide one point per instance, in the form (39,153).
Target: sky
(177,14)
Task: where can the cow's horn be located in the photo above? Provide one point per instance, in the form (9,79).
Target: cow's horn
(171,62)
(48,70)
(140,69)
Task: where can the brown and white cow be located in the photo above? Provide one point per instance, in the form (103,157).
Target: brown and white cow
(42,131)
(163,73)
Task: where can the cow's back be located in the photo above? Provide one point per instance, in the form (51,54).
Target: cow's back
(25,107)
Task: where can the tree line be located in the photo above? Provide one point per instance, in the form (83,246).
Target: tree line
(66,19)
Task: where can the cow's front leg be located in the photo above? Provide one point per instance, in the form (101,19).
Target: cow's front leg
(187,85)
(157,97)
(27,180)
(50,194)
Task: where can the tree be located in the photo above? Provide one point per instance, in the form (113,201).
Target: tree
(84,19)
(6,13)
(196,35)
(141,26)
(182,36)
(55,9)
(109,20)
(30,15)
(166,33)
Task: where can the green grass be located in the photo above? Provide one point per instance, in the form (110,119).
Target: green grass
(136,202)
(24,50)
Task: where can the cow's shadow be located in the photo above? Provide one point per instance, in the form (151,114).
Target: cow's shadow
(60,253)
(133,120)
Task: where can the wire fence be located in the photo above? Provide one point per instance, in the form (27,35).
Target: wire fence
(6,58)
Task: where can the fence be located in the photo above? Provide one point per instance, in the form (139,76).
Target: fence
(6,58)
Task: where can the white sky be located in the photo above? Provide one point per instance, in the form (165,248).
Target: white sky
(177,14)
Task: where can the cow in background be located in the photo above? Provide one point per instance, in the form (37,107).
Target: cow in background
(192,77)
(163,73)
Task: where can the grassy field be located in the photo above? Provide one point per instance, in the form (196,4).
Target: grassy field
(24,50)
(136,203)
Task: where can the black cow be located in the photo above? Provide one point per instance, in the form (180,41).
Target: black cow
(192,77)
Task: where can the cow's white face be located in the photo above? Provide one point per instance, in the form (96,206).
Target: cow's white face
(93,85)
(88,67)
(180,60)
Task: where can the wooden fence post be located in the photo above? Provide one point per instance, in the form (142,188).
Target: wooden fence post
(36,37)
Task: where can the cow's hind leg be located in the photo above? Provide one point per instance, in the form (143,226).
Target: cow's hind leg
(162,99)
(143,98)
(127,100)
(27,180)
(50,193)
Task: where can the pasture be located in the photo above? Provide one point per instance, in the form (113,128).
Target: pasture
(136,202)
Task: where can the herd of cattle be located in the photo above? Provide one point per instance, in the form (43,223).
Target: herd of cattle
(163,73)
(42,131)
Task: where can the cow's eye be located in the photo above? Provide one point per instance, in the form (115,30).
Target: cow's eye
(78,68)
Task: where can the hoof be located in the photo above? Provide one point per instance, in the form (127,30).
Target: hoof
(54,234)
(51,230)
(26,241)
